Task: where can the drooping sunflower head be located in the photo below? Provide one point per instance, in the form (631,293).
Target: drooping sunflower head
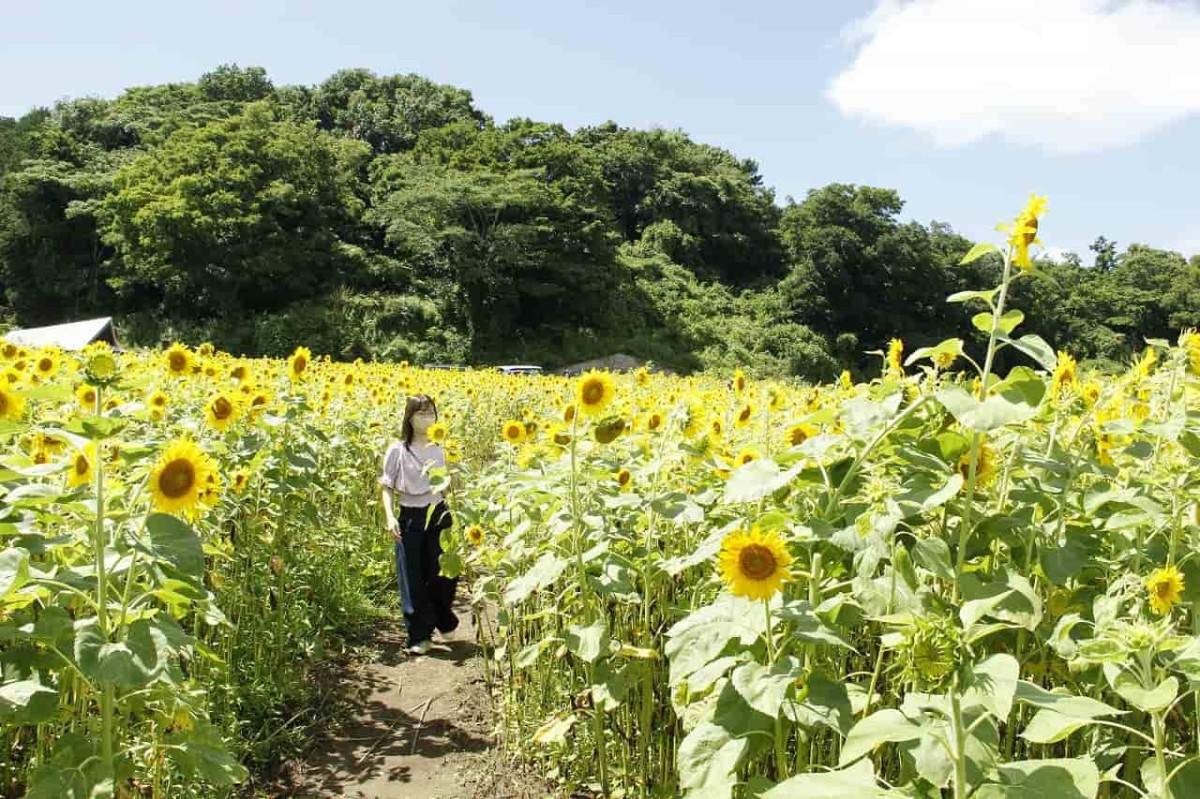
(1164,587)
(929,652)
(299,362)
(180,478)
(178,360)
(754,563)
(513,432)
(594,392)
(610,429)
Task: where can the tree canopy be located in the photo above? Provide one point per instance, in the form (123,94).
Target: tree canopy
(389,217)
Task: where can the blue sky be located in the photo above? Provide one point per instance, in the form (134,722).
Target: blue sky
(964,137)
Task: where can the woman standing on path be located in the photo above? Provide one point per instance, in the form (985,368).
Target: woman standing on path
(425,595)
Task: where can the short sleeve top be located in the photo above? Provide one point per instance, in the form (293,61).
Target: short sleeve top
(406,471)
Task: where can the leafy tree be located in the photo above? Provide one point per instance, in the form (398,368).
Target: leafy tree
(1106,253)
(696,203)
(859,269)
(237,216)
(387,113)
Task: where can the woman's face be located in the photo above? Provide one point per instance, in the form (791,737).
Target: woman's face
(423,418)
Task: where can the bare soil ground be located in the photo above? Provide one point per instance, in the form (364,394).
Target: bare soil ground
(415,726)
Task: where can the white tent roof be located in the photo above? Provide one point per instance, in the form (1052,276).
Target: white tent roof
(69,336)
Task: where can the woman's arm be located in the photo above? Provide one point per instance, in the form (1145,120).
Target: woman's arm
(389,514)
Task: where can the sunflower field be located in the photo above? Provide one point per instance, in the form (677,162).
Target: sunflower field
(942,582)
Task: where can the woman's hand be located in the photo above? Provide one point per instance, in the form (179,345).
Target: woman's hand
(393,527)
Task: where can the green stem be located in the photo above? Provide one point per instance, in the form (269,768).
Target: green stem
(107,697)
(964,533)
(960,743)
(781,763)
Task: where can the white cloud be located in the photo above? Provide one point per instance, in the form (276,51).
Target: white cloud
(1068,75)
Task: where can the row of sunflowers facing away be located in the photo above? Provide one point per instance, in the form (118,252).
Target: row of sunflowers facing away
(944,580)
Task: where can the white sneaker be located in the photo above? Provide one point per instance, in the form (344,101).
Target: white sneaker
(420,647)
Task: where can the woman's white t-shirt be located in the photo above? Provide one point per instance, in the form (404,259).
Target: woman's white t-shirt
(406,471)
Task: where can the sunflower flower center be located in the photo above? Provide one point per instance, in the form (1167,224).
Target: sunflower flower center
(757,562)
(222,408)
(593,392)
(177,479)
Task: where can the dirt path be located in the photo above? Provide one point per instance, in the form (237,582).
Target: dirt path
(417,726)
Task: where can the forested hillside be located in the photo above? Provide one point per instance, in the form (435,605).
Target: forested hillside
(390,218)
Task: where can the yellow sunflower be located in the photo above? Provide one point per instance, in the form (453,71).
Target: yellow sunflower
(513,432)
(474,534)
(754,564)
(895,358)
(744,415)
(298,363)
(1190,341)
(594,392)
(654,421)
(746,456)
(12,405)
(241,479)
(739,381)
(437,432)
(221,411)
(624,479)
(1164,587)
(985,465)
(797,434)
(80,472)
(1064,378)
(45,363)
(87,397)
(180,477)
(179,360)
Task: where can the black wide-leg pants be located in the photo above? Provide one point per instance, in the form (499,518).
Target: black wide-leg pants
(425,595)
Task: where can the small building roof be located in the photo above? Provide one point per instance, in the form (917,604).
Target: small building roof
(68,336)
(618,362)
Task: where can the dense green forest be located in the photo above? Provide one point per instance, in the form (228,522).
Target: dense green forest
(389,217)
